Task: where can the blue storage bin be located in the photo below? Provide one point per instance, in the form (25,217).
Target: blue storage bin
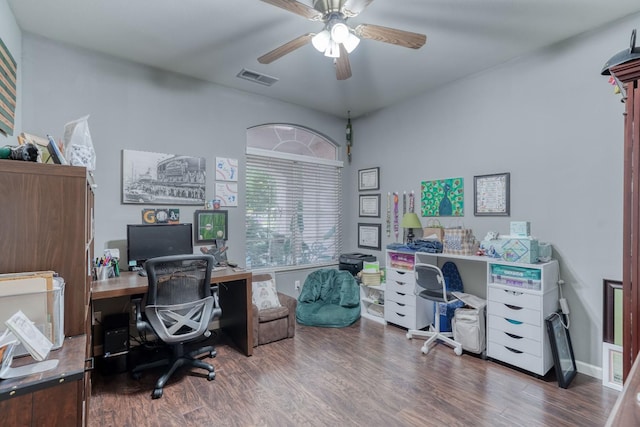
(446,312)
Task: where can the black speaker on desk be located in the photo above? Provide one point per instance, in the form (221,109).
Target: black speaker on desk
(115,343)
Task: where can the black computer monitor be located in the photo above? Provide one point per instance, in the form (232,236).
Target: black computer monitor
(146,241)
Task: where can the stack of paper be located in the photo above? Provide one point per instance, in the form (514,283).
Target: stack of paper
(33,340)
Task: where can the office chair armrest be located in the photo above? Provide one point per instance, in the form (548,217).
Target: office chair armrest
(141,323)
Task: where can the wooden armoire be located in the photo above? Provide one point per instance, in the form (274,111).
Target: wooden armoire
(46,223)
(629,74)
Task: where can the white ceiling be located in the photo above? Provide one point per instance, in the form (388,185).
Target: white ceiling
(214,39)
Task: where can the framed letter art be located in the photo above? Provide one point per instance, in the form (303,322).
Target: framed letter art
(491,195)
(369,236)
(370,205)
(369,179)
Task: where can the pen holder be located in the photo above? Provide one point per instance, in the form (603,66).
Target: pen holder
(104,272)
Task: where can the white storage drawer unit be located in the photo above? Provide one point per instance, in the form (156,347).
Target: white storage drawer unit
(516,309)
(402,307)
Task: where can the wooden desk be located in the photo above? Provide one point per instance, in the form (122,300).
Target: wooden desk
(234,289)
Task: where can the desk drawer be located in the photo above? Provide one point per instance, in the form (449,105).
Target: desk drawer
(513,357)
(512,312)
(401,297)
(401,276)
(401,315)
(516,342)
(516,298)
(515,327)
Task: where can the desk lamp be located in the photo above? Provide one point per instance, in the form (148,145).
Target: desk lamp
(410,220)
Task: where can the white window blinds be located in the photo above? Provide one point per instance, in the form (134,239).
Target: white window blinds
(293,211)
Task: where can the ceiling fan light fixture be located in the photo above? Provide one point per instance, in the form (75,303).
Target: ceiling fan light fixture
(333,51)
(339,32)
(321,40)
(351,42)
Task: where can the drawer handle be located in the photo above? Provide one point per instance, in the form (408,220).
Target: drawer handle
(513,336)
(513,292)
(400,304)
(400,283)
(515,322)
(92,366)
(513,307)
(400,314)
(513,350)
(401,272)
(400,293)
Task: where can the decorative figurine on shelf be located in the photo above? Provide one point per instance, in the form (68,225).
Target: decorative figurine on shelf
(27,152)
(218,251)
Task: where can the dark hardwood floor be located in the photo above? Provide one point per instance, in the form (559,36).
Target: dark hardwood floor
(363,375)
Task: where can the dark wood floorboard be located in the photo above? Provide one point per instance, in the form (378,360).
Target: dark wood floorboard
(363,375)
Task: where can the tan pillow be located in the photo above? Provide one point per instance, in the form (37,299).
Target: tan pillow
(265,295)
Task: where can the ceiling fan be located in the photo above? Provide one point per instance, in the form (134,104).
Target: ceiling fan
(337,39)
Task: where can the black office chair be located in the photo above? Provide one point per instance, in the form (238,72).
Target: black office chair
(178,307)
(430,284)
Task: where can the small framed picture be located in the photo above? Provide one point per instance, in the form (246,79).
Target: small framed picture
(370,205)
(210,226)
(369,179)
(563,358)
(369,236)
(491,195)
(612,366)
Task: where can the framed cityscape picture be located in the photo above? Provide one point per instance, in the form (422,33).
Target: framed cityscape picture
(162,179)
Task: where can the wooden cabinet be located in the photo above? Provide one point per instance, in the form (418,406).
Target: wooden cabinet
(629,74)
(47,224)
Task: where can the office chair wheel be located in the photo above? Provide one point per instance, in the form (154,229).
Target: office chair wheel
(213,353)
(157,393)
(457,351)
(409,336)
(424,349)
(211,376)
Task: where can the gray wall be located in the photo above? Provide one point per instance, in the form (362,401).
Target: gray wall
(141,108)
(553,122)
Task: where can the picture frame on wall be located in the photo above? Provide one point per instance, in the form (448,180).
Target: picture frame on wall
(491,194)
(369,236)
(612,366)
(612,300)
(369,205)
(562,350)
(369,179)
(210,225)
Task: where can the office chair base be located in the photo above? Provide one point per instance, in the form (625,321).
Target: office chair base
(432,336)
(177,360)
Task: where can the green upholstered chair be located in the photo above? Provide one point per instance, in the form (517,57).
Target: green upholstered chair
(329,298)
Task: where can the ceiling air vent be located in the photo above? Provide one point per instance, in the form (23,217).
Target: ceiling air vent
(256,77)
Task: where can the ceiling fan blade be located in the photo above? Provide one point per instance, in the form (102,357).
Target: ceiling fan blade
(343,67)
(288,47)
(391,35)
(352,8)
(297,8)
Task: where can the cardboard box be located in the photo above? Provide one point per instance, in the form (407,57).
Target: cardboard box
(512,249)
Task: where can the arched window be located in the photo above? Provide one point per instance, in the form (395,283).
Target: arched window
(293,197)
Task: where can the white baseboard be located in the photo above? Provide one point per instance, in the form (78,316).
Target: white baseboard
(591,370)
